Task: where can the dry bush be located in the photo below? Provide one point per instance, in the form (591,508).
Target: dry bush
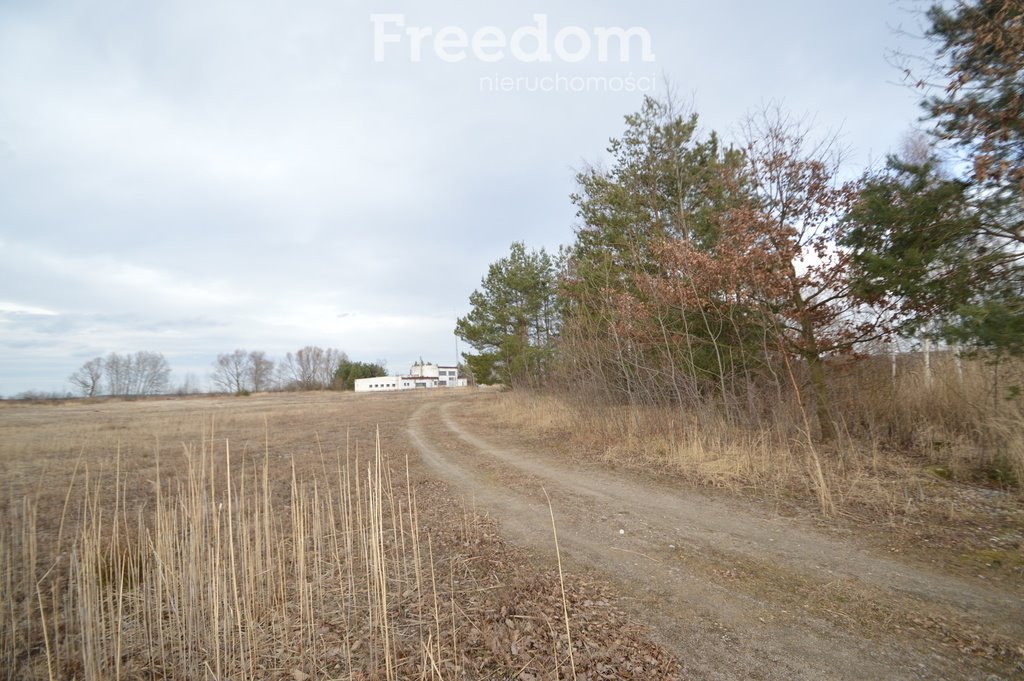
(964,421)
(898,437)
(702,444)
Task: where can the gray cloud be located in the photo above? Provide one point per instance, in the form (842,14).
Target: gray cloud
(191,178)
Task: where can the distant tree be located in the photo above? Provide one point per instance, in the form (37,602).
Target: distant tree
(39,395)
(514,318)
(117,370)
(348,372)
(261,371)
(231,372)
(311,368)
(152,374)
(88,379)
(951,246)
(144,373)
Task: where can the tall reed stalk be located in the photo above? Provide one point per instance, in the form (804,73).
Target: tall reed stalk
(219,574)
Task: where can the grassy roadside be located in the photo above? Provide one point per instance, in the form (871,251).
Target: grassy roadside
(964,524)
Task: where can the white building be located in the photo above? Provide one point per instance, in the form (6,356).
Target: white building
(421,375)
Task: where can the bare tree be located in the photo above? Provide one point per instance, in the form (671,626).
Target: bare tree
(916,147)
(117,369)
(151,372)
(89,377)
(799,275)
(144,373)
(261,371)
(231,372)
(311,368)
(242,371)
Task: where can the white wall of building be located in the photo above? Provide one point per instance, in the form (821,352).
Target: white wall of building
(421,375)
(448,377)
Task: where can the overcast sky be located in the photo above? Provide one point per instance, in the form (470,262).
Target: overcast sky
(195,177)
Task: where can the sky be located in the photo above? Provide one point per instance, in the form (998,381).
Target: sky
(194,177)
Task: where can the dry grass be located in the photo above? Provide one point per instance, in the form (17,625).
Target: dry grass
(932,457)
(702,446)
(221,575)
(965,417)
(266,538)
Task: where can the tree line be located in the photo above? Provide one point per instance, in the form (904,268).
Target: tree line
(309,368)
(123,375)
(238,372)
(733,272)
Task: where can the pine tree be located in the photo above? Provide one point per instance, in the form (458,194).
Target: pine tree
(514,319)
(952,247)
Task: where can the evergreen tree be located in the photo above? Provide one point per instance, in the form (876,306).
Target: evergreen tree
(627,327)
(349,371)
(514,319)
(952,248)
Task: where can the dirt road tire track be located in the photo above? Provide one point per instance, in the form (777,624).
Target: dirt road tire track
(646,540)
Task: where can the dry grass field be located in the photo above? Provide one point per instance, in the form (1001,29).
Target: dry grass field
(400,536)
(282,536)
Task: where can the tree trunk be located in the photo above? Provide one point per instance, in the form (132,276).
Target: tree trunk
(928,363)
(892,358)
(819,383)
(816,369)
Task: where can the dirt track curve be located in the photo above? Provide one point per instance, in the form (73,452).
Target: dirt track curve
(732,591)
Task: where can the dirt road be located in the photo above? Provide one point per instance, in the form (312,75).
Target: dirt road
(733,591)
